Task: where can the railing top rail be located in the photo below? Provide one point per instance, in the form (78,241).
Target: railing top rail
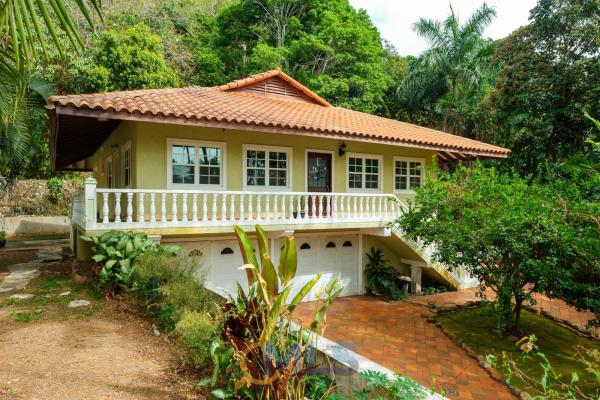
(239,192)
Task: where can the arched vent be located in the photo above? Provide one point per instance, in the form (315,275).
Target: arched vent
(305,246)
(227,250)
(347,243)
(195,253)
(330,245)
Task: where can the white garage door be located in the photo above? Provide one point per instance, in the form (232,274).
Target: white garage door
(335,257)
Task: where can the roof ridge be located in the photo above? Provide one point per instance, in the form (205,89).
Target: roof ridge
(256,78)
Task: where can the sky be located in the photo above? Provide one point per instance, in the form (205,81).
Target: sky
(394,18)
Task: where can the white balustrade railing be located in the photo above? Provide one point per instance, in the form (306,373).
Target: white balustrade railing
(143,208)
(78,209)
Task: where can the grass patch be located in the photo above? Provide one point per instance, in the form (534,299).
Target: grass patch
(27,316)
(476,327)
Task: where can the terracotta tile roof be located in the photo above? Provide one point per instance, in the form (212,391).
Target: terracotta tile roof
(221,104)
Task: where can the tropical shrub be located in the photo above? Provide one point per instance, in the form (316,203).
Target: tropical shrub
(262,356)
(549,383)
(197,330)
(116,251)
(381,277)
(55,188)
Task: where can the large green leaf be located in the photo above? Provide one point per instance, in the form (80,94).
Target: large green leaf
(288,260)
(303,292)
(247,253)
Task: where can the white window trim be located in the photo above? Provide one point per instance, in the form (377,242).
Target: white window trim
(409,159)
(380,177)
(306,151)
(196,144)
(266,188)
(124,148)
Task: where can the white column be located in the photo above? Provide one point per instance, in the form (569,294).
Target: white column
(184,207)
(117,207)
(163,208)
(89,195)
(195,207)
(204,207)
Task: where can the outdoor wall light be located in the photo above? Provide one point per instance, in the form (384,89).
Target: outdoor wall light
(342,149)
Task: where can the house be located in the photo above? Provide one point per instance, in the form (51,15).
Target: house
(184,165)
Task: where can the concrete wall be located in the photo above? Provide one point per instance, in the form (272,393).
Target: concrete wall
(24,226)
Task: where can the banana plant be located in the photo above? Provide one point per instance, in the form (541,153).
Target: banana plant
(270,356)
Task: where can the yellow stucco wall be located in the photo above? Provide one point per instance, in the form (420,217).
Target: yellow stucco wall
(149,153)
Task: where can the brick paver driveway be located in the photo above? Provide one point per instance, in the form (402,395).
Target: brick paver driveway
(397,336)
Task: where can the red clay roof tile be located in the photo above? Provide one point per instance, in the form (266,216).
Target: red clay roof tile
(224,105)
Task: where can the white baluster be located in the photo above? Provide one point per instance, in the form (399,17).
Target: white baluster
(291,206)
(117,207)
(355,207)
(204,208)
(152,207)
(223,207)
(232,207)
(373,206)
(105,207)
(250,216)
(298,207)
(242,216)
(195,207)
(174,207)
(282,206)
(306,206)
(184,207)
(380,207)
(141,211)
(258,207)
(268,216)
(385,207)
(334,211)
(129,207)
(276,206)
(163,208)
(214,207)
(362,208)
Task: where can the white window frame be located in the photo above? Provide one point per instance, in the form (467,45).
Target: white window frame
(407,159)
(266,149)
(196,144)
(124,149)
(378,157)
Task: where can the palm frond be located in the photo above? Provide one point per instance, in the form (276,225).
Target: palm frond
(22,25)
(478,21)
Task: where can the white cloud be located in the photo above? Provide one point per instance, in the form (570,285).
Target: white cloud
(394,18)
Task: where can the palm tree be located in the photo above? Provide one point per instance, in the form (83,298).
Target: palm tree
(24,29)
(455,66)
(25,24)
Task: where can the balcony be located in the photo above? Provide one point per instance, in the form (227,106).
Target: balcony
(103,209)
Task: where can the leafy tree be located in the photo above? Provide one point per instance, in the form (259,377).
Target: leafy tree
(517,238)
(550,73)
(327,45)
(454,68)
(130,59)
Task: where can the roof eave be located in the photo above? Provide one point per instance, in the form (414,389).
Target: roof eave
(93,113)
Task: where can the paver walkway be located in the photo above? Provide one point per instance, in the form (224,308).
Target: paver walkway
(397,336)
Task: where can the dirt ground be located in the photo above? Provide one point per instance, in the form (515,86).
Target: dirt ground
(103,351)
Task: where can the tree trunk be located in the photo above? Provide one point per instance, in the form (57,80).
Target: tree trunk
(514,327)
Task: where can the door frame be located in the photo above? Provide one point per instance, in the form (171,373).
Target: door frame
(332,153)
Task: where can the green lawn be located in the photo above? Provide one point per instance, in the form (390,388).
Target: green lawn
(476,328)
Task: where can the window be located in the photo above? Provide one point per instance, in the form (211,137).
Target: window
(364,172)
(126,155)
(267,167)
(195,163)
(408,173)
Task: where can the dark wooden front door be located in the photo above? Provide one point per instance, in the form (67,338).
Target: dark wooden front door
(318,175)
